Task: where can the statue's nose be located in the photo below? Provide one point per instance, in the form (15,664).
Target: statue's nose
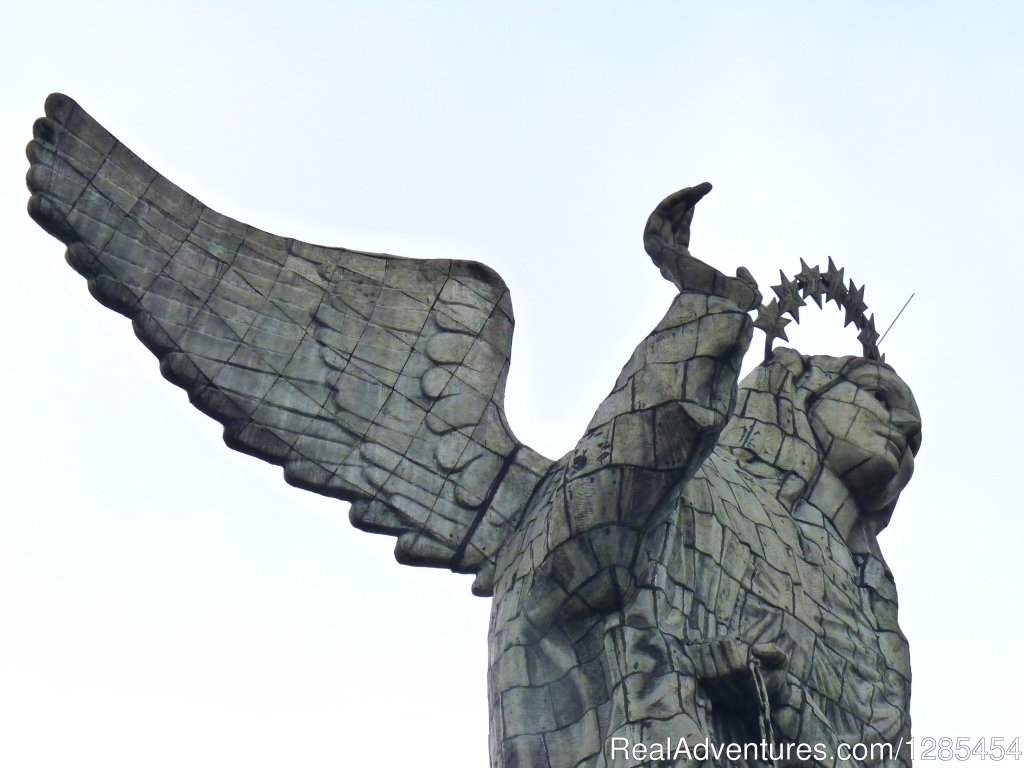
(910,425)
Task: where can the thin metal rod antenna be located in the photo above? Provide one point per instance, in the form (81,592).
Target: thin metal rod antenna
(894,320)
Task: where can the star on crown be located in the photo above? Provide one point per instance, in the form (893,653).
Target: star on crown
(812,283)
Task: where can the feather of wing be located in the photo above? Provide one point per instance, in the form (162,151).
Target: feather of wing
(373,378)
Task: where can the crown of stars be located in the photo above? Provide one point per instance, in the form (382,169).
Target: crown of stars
(812,283)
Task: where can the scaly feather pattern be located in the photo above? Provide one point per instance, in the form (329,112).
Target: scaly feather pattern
(372,378)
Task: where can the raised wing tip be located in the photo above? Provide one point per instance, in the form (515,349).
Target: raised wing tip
(59,107)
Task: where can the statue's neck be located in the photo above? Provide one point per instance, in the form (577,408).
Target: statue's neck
(830,496)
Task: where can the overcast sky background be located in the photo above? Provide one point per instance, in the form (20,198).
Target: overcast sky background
(167,602)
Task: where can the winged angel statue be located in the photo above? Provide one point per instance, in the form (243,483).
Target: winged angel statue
(702,568)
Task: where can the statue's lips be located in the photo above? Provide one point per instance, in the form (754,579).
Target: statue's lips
(897,442)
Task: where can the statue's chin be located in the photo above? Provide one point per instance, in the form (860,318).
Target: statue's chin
(887,495)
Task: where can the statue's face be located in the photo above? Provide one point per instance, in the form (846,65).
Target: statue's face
(869,429)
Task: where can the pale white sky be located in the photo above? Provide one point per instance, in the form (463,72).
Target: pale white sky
(167,602)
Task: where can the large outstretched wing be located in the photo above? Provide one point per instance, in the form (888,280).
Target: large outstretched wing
(373,378)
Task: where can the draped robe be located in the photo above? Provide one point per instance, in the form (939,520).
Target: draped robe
(651,540)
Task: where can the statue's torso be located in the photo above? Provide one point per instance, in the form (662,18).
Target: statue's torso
(578,657)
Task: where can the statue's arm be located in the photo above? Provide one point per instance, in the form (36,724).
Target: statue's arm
(678,389)
(672,399)
(660,422)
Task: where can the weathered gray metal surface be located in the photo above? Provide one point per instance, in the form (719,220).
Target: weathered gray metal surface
(703,564)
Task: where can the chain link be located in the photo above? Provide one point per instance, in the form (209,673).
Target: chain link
(764,719)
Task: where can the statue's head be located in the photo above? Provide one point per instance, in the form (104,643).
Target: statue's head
(797,416)
(868,427)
